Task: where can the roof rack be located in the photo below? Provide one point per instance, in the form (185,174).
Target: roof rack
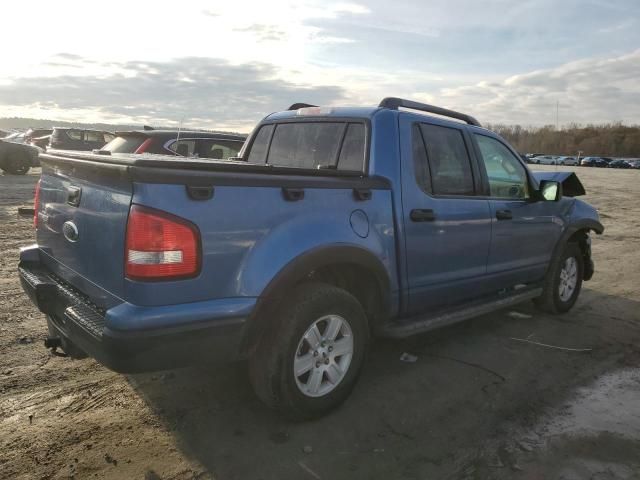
(395,103)
(296,106)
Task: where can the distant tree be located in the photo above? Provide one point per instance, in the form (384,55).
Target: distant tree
(611,139)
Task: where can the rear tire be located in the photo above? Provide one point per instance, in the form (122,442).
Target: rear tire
(310,357)
(563,281)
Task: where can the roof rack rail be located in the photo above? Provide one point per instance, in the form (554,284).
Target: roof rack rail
(296,106)
(395,103)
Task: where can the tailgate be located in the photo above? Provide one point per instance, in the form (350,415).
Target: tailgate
(82,217)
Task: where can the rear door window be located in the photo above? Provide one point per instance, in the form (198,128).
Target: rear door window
(94,137)
(185,148)
(448,158)
(75,135)
(217,149)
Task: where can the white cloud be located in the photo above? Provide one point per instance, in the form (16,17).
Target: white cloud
(588,91)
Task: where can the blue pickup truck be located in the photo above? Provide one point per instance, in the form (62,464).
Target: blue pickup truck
(332,225)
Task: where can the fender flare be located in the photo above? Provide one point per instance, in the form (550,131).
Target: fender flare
(305,264)
(582,224)
(320,257)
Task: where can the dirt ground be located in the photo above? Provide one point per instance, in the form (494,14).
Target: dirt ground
(476,404)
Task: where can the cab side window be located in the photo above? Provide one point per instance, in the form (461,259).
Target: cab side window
(446,167)
(507,176)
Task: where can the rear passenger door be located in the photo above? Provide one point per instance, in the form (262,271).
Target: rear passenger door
(447,225)
(524,232)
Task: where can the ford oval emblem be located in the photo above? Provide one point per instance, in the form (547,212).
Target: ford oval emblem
(70,231)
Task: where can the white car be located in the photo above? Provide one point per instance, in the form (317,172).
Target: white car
(545,160)
(568,161)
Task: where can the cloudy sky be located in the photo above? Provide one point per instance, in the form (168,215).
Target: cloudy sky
(225,64)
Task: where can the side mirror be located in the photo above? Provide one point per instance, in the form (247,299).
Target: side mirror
(550,191)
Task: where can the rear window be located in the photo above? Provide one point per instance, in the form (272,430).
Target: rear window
(311,145)
(125,144)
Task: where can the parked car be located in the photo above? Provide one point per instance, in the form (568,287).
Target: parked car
(337,223)
(17,158)
(635,163)
(174,142)
(594,162)
(4,133)
(619,163)
(32,133)
(572,161)
(41,142)
(16,137)
(545,160)
(79,139)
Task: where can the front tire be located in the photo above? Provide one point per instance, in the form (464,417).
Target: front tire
(309,359)
(563,281)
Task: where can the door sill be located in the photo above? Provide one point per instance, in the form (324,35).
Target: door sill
(424,323)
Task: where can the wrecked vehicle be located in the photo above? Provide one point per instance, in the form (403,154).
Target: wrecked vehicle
(17,158)
(332,225)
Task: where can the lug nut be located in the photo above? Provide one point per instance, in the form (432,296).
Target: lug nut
(326,362)
(317,364)
(330,349)
(315,353)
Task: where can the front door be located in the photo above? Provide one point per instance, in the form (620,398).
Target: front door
(447,227)
(524,232)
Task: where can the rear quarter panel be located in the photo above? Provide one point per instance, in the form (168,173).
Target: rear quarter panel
(250,233)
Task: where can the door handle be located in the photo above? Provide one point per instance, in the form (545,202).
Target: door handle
(422,215)
(504,214)
(73,196)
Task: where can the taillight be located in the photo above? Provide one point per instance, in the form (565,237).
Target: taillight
(36,205)
(143,147)
(160,246)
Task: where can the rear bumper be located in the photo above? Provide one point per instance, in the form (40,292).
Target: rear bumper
(129,338)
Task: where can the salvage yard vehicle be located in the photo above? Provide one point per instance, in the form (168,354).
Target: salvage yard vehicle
(620,163)
(32,133)
(17,158)
(176,142)
(78,139)
(546,160)
(333,225)
(568,161)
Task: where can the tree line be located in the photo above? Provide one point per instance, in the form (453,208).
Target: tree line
(607,140)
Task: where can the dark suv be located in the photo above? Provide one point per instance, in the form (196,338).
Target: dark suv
(172,142)
(79,139)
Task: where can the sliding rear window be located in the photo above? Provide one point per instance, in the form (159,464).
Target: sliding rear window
(311,145)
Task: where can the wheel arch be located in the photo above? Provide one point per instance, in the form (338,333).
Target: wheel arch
(352,268)
(578,232)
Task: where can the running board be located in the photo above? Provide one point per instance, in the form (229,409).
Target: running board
(425,324)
